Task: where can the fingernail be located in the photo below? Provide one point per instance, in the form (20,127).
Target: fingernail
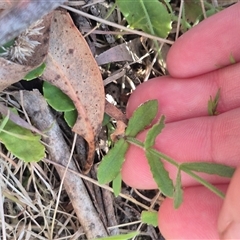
(232,231)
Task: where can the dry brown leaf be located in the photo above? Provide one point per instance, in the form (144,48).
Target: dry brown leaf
(11,72)
(128,51)
(72,68)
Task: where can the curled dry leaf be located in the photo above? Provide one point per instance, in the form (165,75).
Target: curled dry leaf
(11,72)
(128,51)
(72,68)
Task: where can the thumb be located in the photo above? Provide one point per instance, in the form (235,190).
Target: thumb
(229,217)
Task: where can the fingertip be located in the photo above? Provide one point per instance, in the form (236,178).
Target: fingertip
(229,217)
(196,218)
(135,170)
(146,91)
(207,46)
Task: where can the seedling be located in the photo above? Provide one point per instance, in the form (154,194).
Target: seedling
(110,167)
(212,104)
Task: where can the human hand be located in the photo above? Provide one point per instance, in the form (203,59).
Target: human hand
(199,64)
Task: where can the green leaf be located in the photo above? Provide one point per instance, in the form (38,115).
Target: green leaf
(160,174)
(232,59)
(154,131)
(212,104)
(150,16)
(106,119)
(56,98)
(150,218)
(37,72)
(117,185)
(111,163)
(6,45)
(142,117)
(178,193)
(120,237)
(193,10)
(210,168)
(71,117)
(21,142)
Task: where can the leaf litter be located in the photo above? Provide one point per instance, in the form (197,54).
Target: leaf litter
(30,191)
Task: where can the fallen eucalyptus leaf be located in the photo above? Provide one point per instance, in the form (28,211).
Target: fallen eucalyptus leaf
(128,51)
(72,68)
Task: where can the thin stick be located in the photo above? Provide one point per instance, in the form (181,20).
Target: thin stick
(179,18)
(117,25)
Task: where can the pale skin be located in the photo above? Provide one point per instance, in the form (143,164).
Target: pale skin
(199,64)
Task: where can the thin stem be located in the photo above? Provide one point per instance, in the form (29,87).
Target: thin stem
(117,25)
(140,144)
(202,181)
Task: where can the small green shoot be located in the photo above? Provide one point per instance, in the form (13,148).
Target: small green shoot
(35,73)
(213,103)
(120,237)
(150,218)
(110,167)
(21,142)
(232,59)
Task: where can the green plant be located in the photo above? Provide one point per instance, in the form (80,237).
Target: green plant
(110,167)
(60,102)
(20,141)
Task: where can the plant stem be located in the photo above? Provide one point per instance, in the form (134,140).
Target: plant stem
(205,183)
(140,144)
(202,181)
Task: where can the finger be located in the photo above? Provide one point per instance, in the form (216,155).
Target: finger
(229,217)
(198,212)
(186,98)
(207,46)
(207,139)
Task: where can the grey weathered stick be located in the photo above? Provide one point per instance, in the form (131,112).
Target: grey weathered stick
(37,108)
(18,18)
(18,120)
